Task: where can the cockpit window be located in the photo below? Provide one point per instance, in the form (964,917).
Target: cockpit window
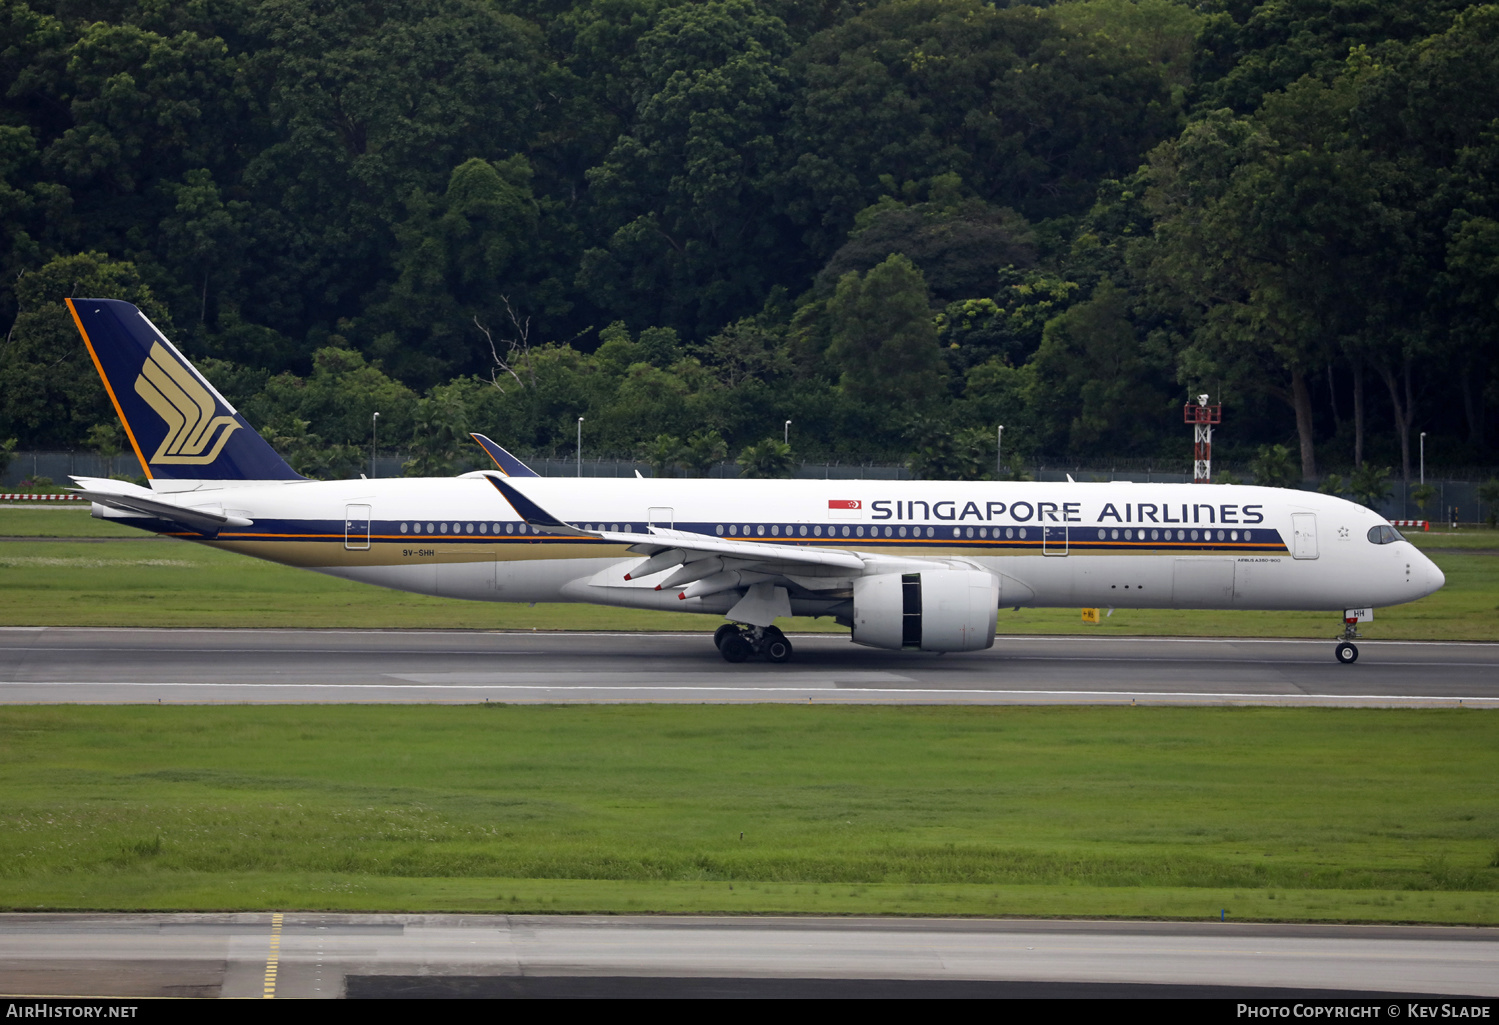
(1384,534)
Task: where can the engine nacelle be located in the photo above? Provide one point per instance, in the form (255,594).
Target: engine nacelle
(934,610)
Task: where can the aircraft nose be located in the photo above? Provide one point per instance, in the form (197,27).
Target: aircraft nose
(1435,579)
(1438,578)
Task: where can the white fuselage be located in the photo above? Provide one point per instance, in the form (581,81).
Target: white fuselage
(1118,544)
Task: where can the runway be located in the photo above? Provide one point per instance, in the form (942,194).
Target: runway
(334,955)
(67,665)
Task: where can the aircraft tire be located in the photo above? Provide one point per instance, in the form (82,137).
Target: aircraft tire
(722,632)
(735,648)
(776,649)
(1347,653)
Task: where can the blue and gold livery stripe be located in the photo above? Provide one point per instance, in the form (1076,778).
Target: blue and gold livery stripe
(1077,539)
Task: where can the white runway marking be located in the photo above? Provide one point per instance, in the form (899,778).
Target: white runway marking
(327,667)
(792,680)
(750,693)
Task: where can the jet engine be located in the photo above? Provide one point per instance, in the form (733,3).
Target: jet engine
(933,610)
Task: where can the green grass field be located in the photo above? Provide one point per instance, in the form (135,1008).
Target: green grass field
(161,582)
(1320,814)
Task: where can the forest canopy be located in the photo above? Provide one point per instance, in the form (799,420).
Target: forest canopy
(896,224)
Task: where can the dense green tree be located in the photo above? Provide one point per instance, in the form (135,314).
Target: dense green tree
(30,211)
(686,189)
(366,104)
(204,237)
(1008,326)
(50,393)
(959,244)
(1273,468)
(1028,114)
(463,274)
(882,335)
(1097,384)
(701,452)
(1370,484)
(942,452)
(997,394)
(1259,219)
(768,458)
(745,350)
(1332,484)
(663,454)
(1247,51)
(339,399)
(1488,493)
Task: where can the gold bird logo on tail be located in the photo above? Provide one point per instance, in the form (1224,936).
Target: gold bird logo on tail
(194,434)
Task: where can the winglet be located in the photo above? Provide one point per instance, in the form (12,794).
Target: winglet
(533,514)
(508,464)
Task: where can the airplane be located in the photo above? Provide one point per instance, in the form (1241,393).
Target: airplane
(904,564)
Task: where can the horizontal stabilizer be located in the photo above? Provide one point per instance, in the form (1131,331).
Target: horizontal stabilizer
(508,464)
(132,498)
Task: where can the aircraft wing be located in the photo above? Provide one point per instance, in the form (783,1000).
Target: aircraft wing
(133,498)
(660,543)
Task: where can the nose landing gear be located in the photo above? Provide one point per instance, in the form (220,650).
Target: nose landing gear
(1346,651)
(737,643)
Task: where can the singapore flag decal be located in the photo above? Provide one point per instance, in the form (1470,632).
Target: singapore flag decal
(845,509)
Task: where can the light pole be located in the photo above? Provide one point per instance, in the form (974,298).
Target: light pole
(374,433)
(786,433)
(999,453)
(1423,457)
(580,446)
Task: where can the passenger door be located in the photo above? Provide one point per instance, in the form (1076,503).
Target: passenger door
(1053,540)
(357,528)
(1304,535)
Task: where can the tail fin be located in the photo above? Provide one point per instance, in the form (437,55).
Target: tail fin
(508,464)
(180,427)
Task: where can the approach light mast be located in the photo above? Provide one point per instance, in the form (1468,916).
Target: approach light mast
(1202,417)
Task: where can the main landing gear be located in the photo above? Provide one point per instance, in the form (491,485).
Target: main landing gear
(1346,652)
(737,643)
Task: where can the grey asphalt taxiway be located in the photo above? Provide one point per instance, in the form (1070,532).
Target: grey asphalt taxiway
(333,955)
(128,666)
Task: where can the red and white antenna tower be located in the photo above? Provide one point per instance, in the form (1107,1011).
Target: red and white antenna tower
(1202,417)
